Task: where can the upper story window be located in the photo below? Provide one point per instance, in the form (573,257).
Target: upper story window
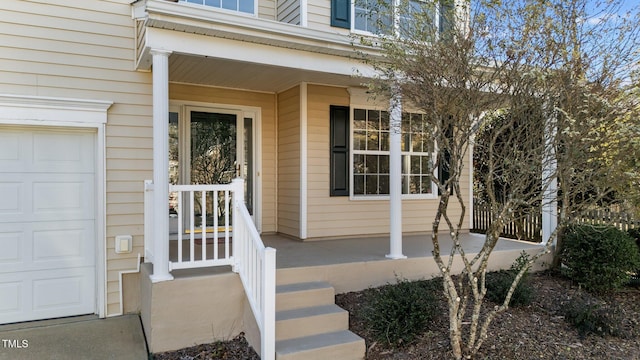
(381,16)
(243,6)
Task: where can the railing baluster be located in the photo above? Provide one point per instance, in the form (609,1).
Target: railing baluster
(180,226)
(226,223)
(203,200)
(192,226)
(215,224)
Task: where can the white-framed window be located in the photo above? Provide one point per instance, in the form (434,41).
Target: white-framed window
(243,6)
(370,155)
(374,17)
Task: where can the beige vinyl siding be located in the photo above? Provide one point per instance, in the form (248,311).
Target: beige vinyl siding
(289,162)
(319,16)
(339,216)
(85,50)
(266,102)
(267,9)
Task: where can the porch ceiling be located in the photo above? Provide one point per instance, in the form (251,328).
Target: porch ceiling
(235,74)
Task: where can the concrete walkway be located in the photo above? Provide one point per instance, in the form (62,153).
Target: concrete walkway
(83,337)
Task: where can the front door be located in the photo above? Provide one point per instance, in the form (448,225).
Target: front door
(212,146)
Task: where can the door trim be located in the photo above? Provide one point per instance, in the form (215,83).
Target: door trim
(183,107)
(71,113)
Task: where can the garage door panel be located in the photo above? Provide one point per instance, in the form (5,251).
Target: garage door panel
(12,195)
(11,245)
(62,152)
(46,294)
(46,197)
(11,301)
(47,245)
(9,148)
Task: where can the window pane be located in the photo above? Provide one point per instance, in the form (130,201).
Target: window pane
(414,185)
(416,142)
(427,166)
(373,123)
(373,142)
(246,6)
(416,123)
(358,184)
(384,120)
(359,138)
(415,164)
(406,122)
(384,141)
(359,119)
(405,141)
(405,164)
(230,4)
(215,3)
(372,164)
(358,164)
(426,185)
(383,185)
(371,182)
(405,184)
(384,164)
(173,148)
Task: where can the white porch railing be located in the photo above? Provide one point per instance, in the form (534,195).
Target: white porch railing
(236,243)
(189,199)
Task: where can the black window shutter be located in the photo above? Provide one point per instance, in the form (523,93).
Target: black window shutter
(339,143)
(341,13)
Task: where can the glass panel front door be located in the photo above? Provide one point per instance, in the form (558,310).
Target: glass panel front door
(211,147)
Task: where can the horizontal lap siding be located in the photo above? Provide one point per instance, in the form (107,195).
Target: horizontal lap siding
(267,9)
(289,162)
(266,102)
(338,216)
(85,50)
(319,16)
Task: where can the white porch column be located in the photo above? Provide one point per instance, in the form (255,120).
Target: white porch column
(161,165)
(395,178)
(549,184)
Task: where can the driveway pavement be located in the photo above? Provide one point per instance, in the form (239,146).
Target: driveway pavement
(84,337)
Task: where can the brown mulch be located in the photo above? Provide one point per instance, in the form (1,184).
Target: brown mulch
(536,331)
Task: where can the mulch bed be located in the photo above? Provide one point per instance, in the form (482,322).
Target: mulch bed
(537,331)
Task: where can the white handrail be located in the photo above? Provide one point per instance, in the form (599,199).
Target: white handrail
(256,265)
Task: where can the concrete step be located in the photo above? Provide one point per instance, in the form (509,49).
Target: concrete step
(338,345)
(310,321)
(301,295)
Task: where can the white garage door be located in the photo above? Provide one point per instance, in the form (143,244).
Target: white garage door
(47,223)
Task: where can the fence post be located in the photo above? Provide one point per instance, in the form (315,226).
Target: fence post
(237,200)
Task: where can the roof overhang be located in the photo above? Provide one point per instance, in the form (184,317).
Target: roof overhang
(215,47)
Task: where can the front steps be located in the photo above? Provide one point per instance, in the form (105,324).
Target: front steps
(310,326)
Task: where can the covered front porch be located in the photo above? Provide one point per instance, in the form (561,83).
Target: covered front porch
(210,303)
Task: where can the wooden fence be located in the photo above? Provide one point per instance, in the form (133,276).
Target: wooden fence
(528,227)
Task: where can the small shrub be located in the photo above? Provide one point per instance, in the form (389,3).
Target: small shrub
(589,316)
(498,284)
(399,313)
(599,258)
(635,234)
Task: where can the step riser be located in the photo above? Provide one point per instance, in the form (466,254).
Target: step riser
(302,299)
(312,325)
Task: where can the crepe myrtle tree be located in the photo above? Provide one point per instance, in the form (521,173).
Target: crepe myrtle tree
(536,80)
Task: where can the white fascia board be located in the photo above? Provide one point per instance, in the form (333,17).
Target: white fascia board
(202,45)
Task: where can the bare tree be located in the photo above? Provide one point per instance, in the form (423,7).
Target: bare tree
(540,79)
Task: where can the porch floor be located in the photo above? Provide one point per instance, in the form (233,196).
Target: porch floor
(292,253)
